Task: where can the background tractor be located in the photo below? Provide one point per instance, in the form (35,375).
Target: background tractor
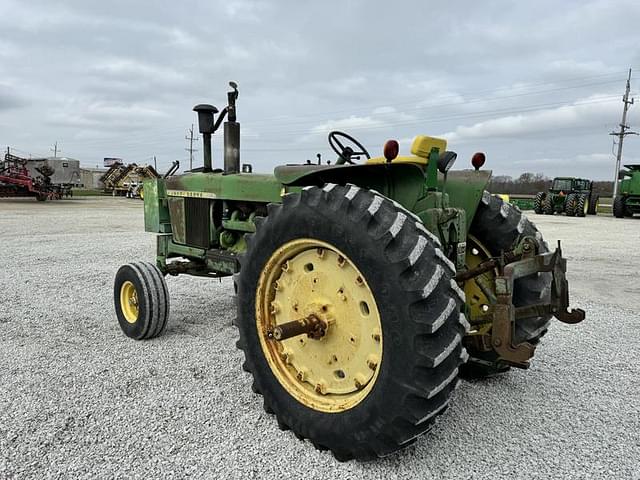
(627,202)
(569,195)
(364,289)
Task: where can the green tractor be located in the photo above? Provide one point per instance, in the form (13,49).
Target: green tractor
(364,289)
(572,196)
(627,202)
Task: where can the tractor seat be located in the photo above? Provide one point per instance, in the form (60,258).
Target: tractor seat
(420,148)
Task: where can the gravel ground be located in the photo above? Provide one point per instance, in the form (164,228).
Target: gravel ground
(80,400)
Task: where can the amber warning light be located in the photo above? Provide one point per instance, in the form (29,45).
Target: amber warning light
(478,160)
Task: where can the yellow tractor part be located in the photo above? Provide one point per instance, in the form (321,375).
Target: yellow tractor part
(475,288)
(307,278)
(420,149)
(129,301)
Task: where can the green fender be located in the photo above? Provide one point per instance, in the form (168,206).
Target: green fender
(465,189)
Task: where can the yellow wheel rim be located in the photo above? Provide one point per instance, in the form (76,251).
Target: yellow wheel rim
(336,372)
(141,193)
(129,302)
(477,299)
(586,207)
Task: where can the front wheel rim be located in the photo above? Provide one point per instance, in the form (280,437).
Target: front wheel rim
(336,372)
(129,302)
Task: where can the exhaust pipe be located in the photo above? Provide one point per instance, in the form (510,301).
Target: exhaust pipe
(232,134)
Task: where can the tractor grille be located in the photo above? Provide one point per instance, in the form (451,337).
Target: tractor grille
(196,216)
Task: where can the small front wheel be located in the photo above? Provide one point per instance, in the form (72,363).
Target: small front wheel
(141,300)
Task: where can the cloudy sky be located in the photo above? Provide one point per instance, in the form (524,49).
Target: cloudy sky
(535,85)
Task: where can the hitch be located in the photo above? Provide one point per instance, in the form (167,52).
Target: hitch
(524,261)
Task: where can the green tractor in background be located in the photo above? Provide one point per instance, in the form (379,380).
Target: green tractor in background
(569,195)
(627,202)
(364,290)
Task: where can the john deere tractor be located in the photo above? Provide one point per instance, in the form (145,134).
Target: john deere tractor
(365,287)
(572,196)
(627,202)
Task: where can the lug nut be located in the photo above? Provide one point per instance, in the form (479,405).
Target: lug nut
(274,308)
(372,362)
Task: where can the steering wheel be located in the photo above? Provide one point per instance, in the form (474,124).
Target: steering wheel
(345,153)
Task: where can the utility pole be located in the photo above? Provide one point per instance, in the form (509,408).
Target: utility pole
(624,131)
(190,149)
(155,165)
(55,150)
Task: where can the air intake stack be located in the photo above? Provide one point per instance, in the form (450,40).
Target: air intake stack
(207,127)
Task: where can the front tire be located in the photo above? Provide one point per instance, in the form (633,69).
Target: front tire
(141,300)
(418,303)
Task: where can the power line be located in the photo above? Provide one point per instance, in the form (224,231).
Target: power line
(136,141)
(297,119)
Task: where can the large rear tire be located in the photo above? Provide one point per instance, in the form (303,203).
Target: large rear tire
(547,205)
(571,205)
(408,282)
(594,203)
(582,208)
(538,202)
(498,226)
(619,207)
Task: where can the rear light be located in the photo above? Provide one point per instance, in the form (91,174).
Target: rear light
(391,149)
(478,160)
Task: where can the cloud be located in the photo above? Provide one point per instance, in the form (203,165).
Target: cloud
(10,99)
(577,114)
(352,122)
(508,81)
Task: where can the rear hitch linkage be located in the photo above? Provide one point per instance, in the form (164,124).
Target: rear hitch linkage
(521,262)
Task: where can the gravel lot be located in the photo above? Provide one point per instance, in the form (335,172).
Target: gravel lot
(78,399)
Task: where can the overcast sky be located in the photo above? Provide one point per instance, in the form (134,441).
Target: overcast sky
(535,85)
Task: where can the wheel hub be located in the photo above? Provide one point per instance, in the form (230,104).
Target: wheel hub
(129,301)
(311,280)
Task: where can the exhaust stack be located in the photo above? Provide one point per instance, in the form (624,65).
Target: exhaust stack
(232,134)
